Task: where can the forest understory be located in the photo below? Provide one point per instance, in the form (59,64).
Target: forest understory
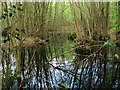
(54,46)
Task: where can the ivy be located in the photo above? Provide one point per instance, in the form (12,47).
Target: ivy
(20,30)
(10,11)
(10,14)
(16,34)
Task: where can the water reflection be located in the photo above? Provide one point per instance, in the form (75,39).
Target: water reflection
(63,74)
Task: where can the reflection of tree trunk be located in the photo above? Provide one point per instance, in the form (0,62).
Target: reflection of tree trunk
(99,73)
(90,76)
(38,64)
(79,58)
(45,68)
(118,76)
(115,73)
(75,76)
(80,81)
(30,54)
(105,63)
(41,66)
(19,83)
(22,60)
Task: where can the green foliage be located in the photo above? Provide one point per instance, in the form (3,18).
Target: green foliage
(6,32)
(113,18)
(17,32)
(68,14)
(109,43)
(15,35)
(20,9)
(62,85)
(9,35)
(68,45)
(106,85)
(5,40)
(9,12)
(20,30)
(14,6)
(117,26)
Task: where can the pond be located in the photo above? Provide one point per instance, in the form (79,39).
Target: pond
(63,74)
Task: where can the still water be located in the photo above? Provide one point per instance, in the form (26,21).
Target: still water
(61,73)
